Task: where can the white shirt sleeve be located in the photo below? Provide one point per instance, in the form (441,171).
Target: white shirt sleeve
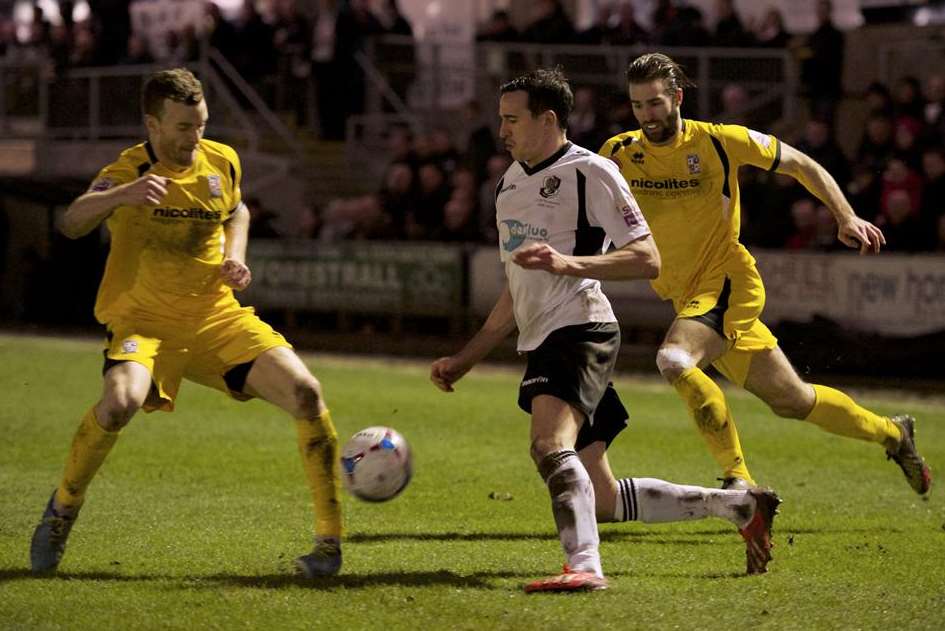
(611,205)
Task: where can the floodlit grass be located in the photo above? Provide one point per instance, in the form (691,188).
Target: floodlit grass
(195,517)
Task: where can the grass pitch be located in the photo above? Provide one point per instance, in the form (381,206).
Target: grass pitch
(195,517)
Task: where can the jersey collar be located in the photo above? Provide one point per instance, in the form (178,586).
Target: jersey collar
(547,162)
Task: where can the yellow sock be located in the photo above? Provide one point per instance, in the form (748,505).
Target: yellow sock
(318,444)
(707,406)
(90,446)
(837,413)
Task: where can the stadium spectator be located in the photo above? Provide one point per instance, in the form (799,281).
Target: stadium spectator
(878,99)
(934,110)
(682,27)
(355,24)
(711,278)
(442,150)
(901,225)
(325,71)
(623,29)
(933,187)
(818,143)
(729,32)
(940,235)
(262,221)
(771,32)
(255,56)
(138,51)
(906,132)
(822,64)
(876,146)
(480,141)
(495,167)
(459,221)
(596,33)
(550,24)
(169,308)
(498,28)
(804,217)
(766,215)
(907,99)
(864,190)
(219,32)
(398,58)
(899,176)
(398,195)
(585,124)
(292,42)
(432,194)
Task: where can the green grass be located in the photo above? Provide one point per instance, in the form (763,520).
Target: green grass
(196,515)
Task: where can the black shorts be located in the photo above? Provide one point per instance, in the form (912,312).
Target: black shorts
(575,364)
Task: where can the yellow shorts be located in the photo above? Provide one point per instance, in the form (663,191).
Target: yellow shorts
(215,351)
(731,303)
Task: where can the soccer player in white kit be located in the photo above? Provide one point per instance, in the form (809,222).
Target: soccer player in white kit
(559,207)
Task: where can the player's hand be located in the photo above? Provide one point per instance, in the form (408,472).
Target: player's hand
(541,256)
(446,371)
(235,274)
(147,190)
(859,233)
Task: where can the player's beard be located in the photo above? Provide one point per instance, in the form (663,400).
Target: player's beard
(667,130)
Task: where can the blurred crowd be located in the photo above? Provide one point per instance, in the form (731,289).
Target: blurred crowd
(439,183)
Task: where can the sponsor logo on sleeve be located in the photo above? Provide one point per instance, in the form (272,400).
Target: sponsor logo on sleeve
(760,139)
(101,184)
(630,216)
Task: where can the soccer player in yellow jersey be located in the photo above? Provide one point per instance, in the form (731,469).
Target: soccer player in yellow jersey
(178,250)
(684,175)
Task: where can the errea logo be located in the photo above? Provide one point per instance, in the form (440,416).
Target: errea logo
(513,233)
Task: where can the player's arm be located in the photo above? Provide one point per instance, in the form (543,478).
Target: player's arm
(234,271)
(93,207)
(852,231)
(501,322)
(637,259)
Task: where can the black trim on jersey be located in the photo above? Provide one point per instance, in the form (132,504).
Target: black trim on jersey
(235,377)
(724,158)
(143,168)
(623,144)
(547,162)
(588,240)
(233,175)
(151,155)
(498,188)
(777,159)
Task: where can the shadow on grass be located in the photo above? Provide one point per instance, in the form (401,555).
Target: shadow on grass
(476,580)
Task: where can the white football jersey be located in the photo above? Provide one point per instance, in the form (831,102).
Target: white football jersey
(578,203)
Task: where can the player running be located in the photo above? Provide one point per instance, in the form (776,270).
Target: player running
(559,206)
(684,173)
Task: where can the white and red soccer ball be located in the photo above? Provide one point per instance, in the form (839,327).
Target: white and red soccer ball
(376,464)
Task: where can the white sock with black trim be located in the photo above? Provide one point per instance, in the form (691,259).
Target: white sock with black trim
(572,503)
(655,501)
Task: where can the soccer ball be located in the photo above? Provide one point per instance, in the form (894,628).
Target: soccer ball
(376,464)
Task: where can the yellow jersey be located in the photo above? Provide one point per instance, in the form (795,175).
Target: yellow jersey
(688,192)
(164,261)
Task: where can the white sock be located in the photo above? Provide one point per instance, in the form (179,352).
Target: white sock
(572,503)
(655,501)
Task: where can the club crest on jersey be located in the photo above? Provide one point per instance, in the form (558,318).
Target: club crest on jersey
(550,187)
(216,190)
(692,161)
(637,157)
(513,233)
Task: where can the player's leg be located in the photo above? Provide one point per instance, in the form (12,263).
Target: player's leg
(279,376)
(651,501)
(689,346)
(126,387)
(554,429)
(772,379)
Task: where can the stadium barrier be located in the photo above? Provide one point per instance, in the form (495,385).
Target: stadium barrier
(891,294)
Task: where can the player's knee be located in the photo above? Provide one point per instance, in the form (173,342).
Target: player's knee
(116,411)
(543,446)
(308,398)
(673,361)
(793,403)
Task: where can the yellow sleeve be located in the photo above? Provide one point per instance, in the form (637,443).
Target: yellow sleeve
(115,174)
(747,146)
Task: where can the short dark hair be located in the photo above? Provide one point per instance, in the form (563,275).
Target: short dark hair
(652,66)
(178,85)
(547,89)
